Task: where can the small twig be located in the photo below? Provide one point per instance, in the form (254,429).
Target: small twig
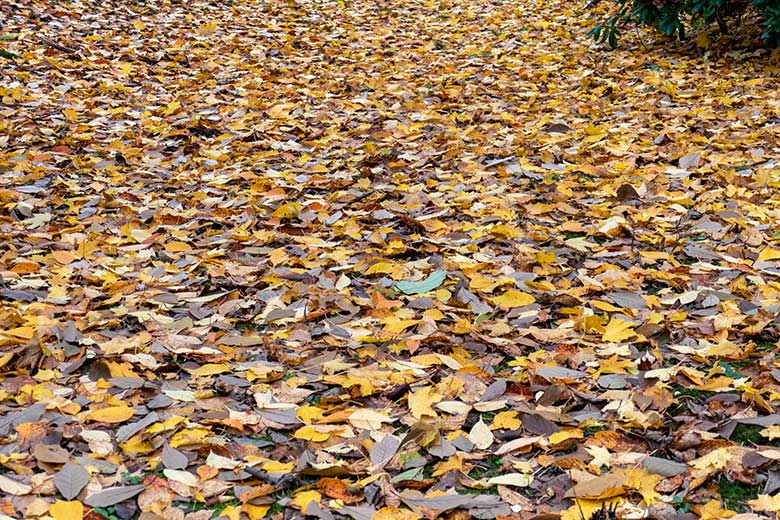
(278,483)
(358,198)
(57,46)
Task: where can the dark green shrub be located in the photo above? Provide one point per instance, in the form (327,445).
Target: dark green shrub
(671,16)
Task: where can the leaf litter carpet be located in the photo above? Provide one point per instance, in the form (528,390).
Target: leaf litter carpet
(383,260)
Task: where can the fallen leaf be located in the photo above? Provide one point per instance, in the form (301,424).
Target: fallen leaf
(434,280)
(513,298)
(70,480)
(111,496)
(61,510)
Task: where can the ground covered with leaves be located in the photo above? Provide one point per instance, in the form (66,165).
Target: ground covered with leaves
(383,260)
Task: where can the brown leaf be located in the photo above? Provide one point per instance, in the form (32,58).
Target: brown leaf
(50,454)
(627,192)
(336,488)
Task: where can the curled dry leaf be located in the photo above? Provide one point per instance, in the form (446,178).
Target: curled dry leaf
(336,488)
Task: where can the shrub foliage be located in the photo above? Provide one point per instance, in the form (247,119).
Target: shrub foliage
(671,16)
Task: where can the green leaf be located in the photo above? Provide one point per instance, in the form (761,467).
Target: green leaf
(434,280)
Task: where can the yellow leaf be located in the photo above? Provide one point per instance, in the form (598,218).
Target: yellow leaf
(118,345)
(232,513)
(289,210)
(713,510)
(383,268)
(303,499)
(421,402)
(136,446)
(367,419)
(769,503)
(506,421)
(311,433)
(111,414)
(393,513)
(178,247)
(566,434)
(716,459)
(255,512)
(126,68)
(309,413)
(139,235)
(484,284)
(703,41)
(771,432)
(768,254)
(394,326)
(644,482)
(209,369)
(62,510)
(208,28)
(545,257)
(453,463)
(275,466)
(513,298)
(461,326)
(618,330)
(171,107)
(191,437)
(604,306)
(21,332)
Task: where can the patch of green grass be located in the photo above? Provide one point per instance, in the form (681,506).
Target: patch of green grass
(735,494)
(8,55)
(739,364)
(504,365)
(765,345)
(472,491)
(592,430)
(131,479)
(683,395)
(406,457)
(692,392)
(488,417)
(248,325)
(478,472)
(471,419)
(221,506)
(275,510)
(312,399)
(484,317)
(489,467)
(748,435)
(494,461)
(107,512)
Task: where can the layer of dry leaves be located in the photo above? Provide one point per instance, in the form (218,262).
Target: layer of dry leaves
(382,260)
